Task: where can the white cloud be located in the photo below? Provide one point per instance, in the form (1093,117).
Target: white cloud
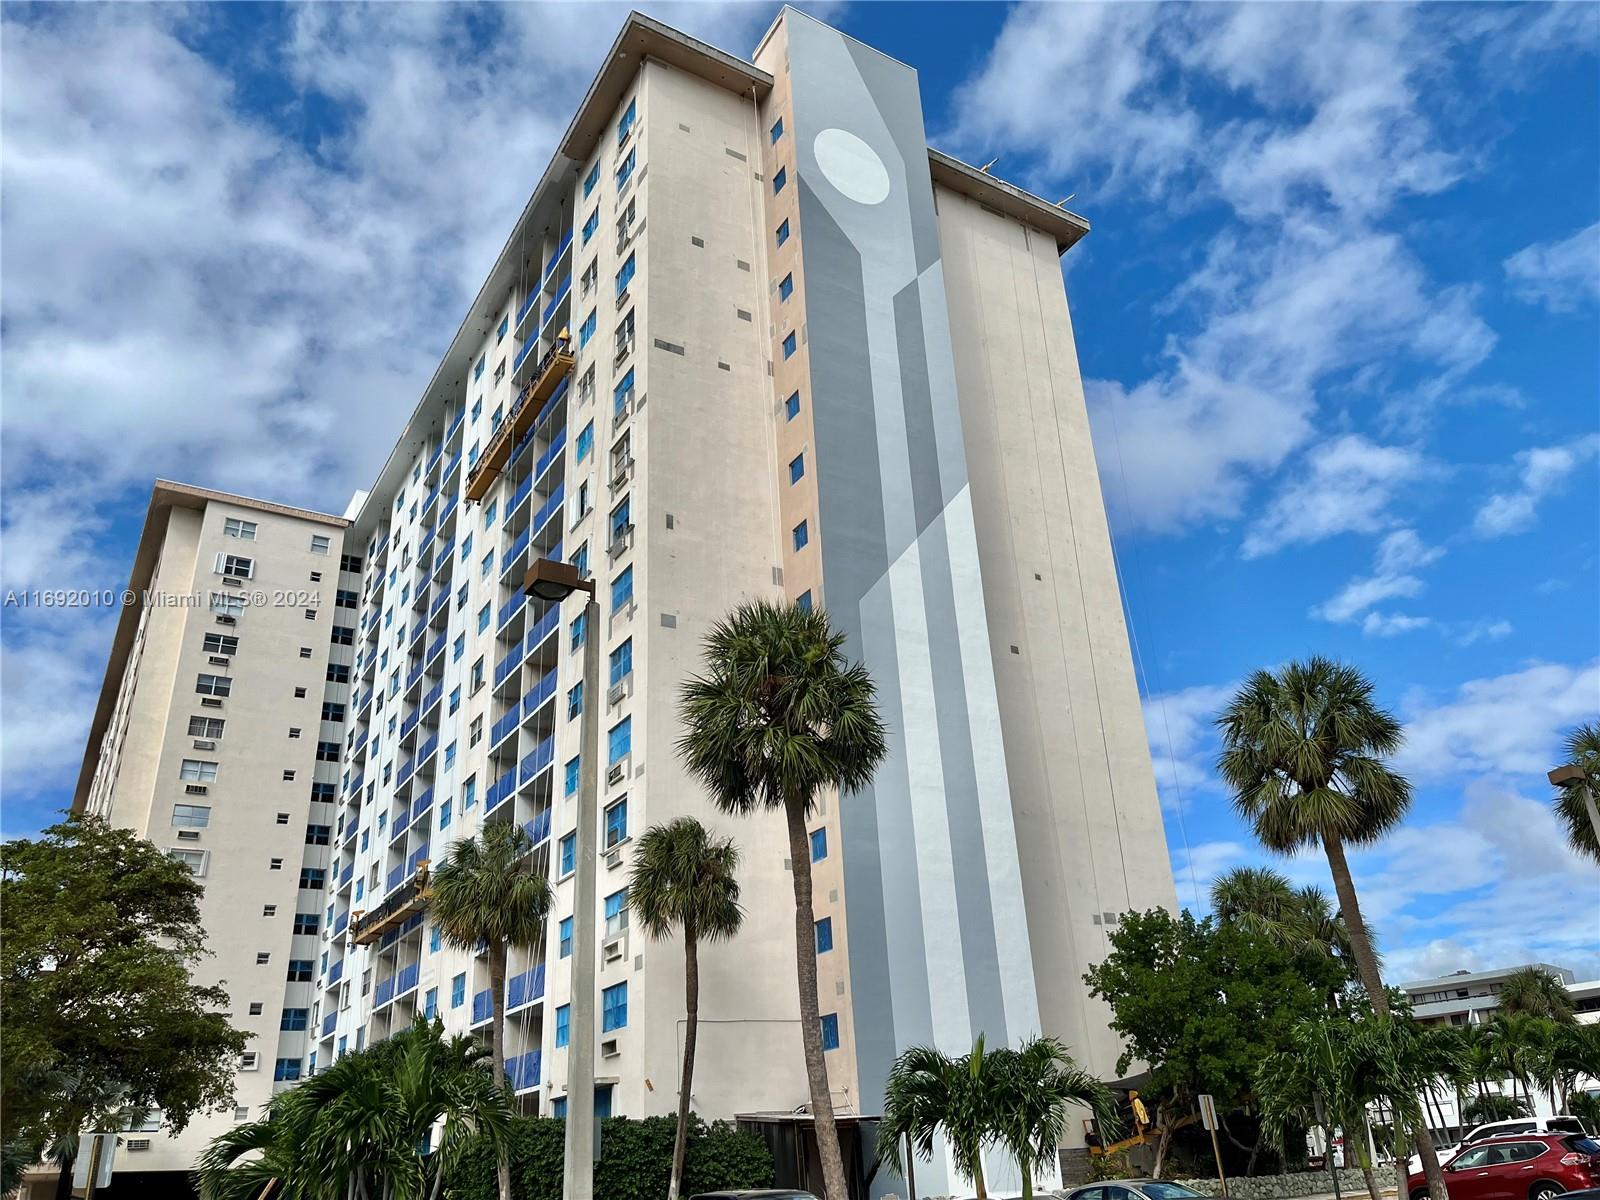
(1183,738)
(1399,553)
(1471,632)
(1560,275)
(1346,487)
(1377,624)
(1540,471)
(1504,725)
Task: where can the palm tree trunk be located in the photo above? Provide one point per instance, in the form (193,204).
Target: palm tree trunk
(691,1006)
(1026,1165)
(1372,981)
(497,1049)
(805,952)
(978,1184)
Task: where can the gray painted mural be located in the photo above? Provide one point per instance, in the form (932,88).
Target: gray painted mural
(938,936)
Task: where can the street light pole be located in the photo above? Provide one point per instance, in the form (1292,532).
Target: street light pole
(555,581)
(1572,775)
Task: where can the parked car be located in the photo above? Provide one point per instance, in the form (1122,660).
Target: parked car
(756,1194)
(1564,1123)
(1133,1189)
(1530,1166)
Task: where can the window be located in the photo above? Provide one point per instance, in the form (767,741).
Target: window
(301,970)
(614,1008)
(575,700)
(786,287)
(819,845)
(338,673)
(625,275)
(349,562)
(622,394)
(444,815)
(286,1069)
(477,371)
(593,222)
(320,544)
(569,854)
(319,835)
(458,647)
(435,939)
(802,536)
(306,923)
(625,334)
(778,180)
(466,548)
(622,662)
(500,333)
(830,1031)
(566,937)
(344,598)
(477,674)
(777,130)
(580,560)
(583,499)
(585,441)
(475,730)
(487,565)
(617,823)
(626,124)
(563,1025)
(455,700)
(572,771)
(249,1061)
(458,990)
(263,957)
(198,770)
(625,171)
(205,727)
(803,603)
(236,564)
(469,793)
(789,346)
(313,879)
(255,1008)
(220,643)
(580,630)
(783,233)
(592,178)
(213,685)
(191,816)
(622,589)
(620,524)
(620,740)
(430,1004)
(328,752)
(333,713)
(558,1108)
(586,330)
(797,468)
(275,864)
(824,935)
(235,528)
(590,277)
(791,407)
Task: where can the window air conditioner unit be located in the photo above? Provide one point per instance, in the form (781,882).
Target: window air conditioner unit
(218,660)
(619,477)
(611,948)
(229,581)
(188,835)
(194,789)
(621,542)
(608,1048)
(614,696)
(210,702)
(614,774)
(224,619)
(203,744)
(613,859)
(623,350)
(137,1144)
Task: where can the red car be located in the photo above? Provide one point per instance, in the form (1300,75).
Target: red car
(1524,1166)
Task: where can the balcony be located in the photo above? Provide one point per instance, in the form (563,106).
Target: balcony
(406,980)
(536,760)
(336,972)
(529,305)
(508,664)
(399,931)
(555,258)
(553,368)
(524,490)
(525,988)
(421,805)
(499,790)
(538,829)
(401,824)
(434,694)
(539,693)
(510,609)
(346,875)
(340,923)
(329,1023)
(482,1006)
(383,993)
(503,728)
(548,509)
(405,902)
(523,1071)
(552,451)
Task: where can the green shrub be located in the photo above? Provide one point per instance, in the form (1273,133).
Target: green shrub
(635,1160)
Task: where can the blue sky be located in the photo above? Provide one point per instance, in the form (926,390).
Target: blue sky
(1337,319)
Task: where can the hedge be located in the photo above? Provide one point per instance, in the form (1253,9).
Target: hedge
(635,1160)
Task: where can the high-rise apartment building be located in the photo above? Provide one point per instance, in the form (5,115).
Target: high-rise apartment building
(750,337)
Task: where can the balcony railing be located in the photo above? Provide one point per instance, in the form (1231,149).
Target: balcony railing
(329,1023)
(510,608)
(508,664)
(406,980)
(504,727)
(399,931)
(538,829)
(526,987)
(551,452)
(555,257)
(482,1006)
(421,805)
(336,972)
(384,992)
(499,790)
(539,693)
(536,760)
(523,1071)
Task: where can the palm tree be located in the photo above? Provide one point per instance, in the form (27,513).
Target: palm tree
(1030,1092)
(779,717)
(486,891)
(1576,801)
(1537,993)
(927,1093)
(683,878)
(1262,901)
(1303,752)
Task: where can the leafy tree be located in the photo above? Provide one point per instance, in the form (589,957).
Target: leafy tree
(1030,1092)
(387,1123)
(927,1093)
(683,878)
(1493,1106)
(99,933)
(779,717)
(1576,802)
(1202,1003)
(1537,993)
(486,891)
(1303,753)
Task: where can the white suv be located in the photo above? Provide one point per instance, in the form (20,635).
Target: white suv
(1559,1124)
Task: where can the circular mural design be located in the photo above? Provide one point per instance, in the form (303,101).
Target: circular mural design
(852,166)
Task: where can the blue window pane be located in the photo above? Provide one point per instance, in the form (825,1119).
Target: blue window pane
(602,1099)
(783,233)
(586,330)
(819,845)
(802,536)
(444,815)
(505,324)
(566,937)
(563,1025)
(458,990)
(791,407)
(623,392)
(558,1107)
(430,1004)
(580,627)
(624,125)
(593,223)
(615,903)
(616,823)
(435,939)
(789,345)
(287,1068)
(469,794)
(622,589)
(786,287)
(571,776)
(620,739)
(614,1008)
(824,935)
(621,516)
(625,171)
(804,602)
(777,130)
(622,662)
(477,371)
(575,700)
(295,1018)
(778,180)
(586,441)
(569,854)
(797,468)
(590,180)
(625,275)
(830,1031)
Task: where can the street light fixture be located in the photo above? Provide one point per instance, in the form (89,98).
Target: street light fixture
(1572,775)
(555,581)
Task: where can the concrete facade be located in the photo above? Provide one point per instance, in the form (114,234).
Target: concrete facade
(623,395)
